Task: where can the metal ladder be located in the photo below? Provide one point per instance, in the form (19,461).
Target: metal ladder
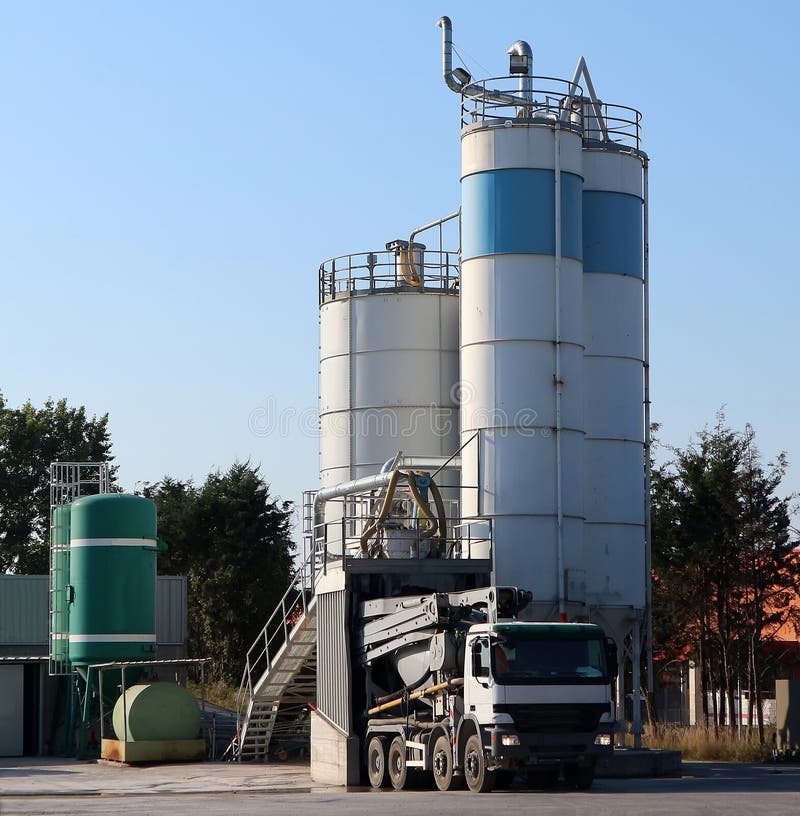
(68,481)
(279,678)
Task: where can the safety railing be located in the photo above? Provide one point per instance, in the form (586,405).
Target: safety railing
(500,100)
(364,273)
(338,539)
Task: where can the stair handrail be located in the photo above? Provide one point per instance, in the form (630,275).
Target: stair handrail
(290,610)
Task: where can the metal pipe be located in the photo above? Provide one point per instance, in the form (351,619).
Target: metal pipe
(474,91)
(648,550)
(415,279)
(636,682)
(522,49)
(559,486)
(447,54)
(362,485)
(422,462)
(436,223)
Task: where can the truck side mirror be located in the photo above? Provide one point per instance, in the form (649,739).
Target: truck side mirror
(612,658)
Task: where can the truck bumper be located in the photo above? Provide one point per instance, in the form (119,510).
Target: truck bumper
(543,749)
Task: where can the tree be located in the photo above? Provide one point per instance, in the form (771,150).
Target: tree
(233,542)
(30,439)
(722,559)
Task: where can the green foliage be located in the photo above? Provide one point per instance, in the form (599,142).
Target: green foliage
(30,439)
(233,542)
(724,571)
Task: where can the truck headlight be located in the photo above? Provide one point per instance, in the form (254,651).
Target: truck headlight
(602,739)
(510,739)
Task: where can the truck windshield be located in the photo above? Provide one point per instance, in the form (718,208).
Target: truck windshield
(527,658)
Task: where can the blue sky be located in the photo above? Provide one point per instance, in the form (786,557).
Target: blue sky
(172,174)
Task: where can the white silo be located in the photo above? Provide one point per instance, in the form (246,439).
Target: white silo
(388,360)
(521,334)
(552,337)
(614,485)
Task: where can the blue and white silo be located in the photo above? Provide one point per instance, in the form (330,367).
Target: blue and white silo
(521,343)
(614,485)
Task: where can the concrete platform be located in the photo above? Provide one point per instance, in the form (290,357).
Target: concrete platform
(626,763)
(53,776)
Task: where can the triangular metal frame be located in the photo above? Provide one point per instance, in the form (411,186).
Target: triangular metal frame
(582,72)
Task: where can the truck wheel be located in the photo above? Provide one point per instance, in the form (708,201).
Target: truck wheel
(398,772)
(376,763)
(579,776)
(442,762)
(479,778)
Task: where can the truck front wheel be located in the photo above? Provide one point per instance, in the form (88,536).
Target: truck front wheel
(376,763)
(479,778)
(398,771)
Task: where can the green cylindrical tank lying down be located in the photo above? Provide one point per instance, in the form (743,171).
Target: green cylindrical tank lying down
(113,547)
(157,711)
(59,628)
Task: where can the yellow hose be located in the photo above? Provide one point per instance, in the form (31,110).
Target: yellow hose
(437,500)
(406,262)
(387,505)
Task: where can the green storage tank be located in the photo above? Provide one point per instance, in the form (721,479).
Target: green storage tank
(59,541)
(113,547)
(157,711)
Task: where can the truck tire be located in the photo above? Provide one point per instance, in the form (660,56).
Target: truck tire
(396,762)
(442,762)
(479,778)
(377,769)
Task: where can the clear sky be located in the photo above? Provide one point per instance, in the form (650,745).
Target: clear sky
(172,174)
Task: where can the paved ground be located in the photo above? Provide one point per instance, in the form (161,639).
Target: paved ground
(69,787)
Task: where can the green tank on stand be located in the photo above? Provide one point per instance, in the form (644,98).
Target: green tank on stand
(113,546)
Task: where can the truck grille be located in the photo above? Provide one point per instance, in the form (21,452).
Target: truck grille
(555,718)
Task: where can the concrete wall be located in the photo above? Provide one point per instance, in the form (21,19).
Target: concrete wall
(334,756)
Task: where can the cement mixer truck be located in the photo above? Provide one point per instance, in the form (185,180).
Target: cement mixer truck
(459,688)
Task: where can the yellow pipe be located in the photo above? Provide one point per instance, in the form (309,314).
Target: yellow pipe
(416,695)
(387,504)
(406,262)
(437,499)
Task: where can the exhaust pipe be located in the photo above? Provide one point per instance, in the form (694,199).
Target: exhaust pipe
(460,81)
(450,79)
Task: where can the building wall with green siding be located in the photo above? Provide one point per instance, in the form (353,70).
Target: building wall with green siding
(24,610)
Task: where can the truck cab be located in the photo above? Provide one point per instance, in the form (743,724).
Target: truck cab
(458,686)
(537,696)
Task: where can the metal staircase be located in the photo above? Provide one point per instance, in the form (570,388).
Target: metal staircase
(279,678)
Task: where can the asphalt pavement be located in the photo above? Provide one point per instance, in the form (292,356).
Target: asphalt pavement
(54,786)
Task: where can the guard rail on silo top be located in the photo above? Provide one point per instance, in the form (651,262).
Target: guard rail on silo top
(393,270)
(498,101)
(113,547)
